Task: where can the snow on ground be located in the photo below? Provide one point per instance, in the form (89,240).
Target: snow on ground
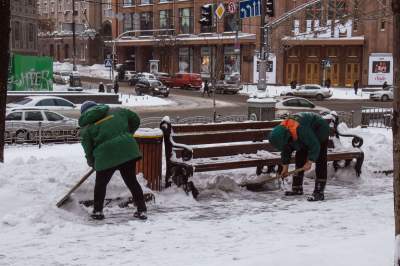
(338,93)
(146,100)
(226,226)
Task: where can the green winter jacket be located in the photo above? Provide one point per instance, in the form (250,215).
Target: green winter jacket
(310,129)
(107,136)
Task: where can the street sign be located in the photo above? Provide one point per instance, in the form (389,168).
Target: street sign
(219,12)
(232,7)
(250,8)
(108,63)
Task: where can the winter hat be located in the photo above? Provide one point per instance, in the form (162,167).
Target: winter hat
(86,105)
(279,137)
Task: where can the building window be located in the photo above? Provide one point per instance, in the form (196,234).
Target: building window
(352,52)
(185,59)
(126,3)
(31,33)
(205,67)
(186,20)
(128,22)
(382,25)
(231,61)
(146,23)
(165,19)
(332,52)
(293,52)
(312,51)
(66,51)
(314,12)
(146,2)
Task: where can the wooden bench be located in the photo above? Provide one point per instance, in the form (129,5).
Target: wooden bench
(193,148)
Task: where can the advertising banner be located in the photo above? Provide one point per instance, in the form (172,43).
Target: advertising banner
(380,69)
(31,73)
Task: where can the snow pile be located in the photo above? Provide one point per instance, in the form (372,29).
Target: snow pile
(145,100)
(227,225)
(273,91)
(94,71)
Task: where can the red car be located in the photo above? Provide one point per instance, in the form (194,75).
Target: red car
(185,81)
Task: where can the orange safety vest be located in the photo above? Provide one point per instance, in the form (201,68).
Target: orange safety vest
(292,126)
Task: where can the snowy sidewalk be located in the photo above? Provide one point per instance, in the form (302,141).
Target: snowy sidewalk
(227,226)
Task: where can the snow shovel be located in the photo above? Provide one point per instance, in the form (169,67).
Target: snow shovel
(66,197)
(257,185)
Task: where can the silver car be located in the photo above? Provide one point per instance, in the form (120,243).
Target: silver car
(382,95)
(28,124)
(309,91)
(292,105)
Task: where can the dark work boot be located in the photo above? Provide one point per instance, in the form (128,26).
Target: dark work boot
(318,194)
(296,191)
(297,186)
(97,215)
(140,215)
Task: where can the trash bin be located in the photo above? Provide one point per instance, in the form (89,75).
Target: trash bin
(150,144)
(261,109)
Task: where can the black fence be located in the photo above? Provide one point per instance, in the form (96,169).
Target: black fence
(376,117)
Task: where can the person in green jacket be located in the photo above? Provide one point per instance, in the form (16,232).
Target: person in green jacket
(109,145)
(307,134)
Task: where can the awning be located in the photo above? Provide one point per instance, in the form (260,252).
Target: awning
(306,41)
(201,39)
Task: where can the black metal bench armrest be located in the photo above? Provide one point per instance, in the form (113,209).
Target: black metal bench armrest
(357,141)
(170,144)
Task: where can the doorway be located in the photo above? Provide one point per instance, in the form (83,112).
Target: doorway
(352,73)
(312,73)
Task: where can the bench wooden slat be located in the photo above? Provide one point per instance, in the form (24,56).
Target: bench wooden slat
(234,149)
(222,137)
(206,166)
(224,126)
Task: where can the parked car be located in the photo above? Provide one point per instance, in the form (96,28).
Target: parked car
(309,91)
(291,105)
(382,95)
(23,124)
(61,77)
(136,77)
(48,102)
(129,74)
(152,87)
(186,81)
(223,86)
(165,78)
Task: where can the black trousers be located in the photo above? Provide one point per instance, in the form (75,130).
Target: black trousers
(321,167)
(128,173)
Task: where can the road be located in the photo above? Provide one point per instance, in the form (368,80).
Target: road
(192,103)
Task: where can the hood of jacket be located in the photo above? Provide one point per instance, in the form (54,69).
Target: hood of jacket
(93,115)
(279,137)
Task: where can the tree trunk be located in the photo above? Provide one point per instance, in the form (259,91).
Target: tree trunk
(4,58)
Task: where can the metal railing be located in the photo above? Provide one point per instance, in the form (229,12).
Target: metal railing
(376,117)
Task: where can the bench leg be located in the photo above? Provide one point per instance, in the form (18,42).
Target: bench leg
(347,163)
(259,170)
(271,169)
(336,165)
(359,163)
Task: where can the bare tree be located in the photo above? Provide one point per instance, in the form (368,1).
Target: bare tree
(4,58)
(396,118)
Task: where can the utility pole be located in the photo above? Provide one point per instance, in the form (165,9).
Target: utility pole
(396,120)
(5,58)
(262,69)
(73,37)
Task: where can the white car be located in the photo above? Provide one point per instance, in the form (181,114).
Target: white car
(129,74)
(382,95)
(48,102)
(309,91)
(23,124)
(292,105)
(61,77)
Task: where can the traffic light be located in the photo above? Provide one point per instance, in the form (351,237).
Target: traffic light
(206,15)
(270,8)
